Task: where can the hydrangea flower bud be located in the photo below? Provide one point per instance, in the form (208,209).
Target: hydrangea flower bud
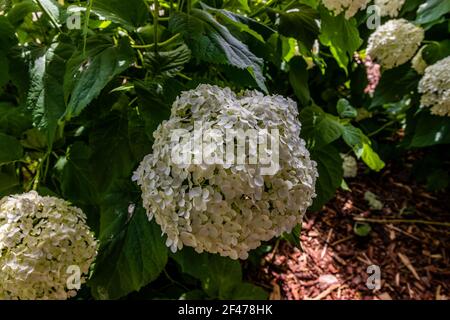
(227,207)
(40,238)
(394,43)
(435,87)
(350,7)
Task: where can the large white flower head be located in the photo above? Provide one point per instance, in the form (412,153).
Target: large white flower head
(350,7)
(40,238)
(435,87)
(394,43)
(389,7)
(230,207)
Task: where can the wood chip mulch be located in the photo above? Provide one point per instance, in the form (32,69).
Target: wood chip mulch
(331,262)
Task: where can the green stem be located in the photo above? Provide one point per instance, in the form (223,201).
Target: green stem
(262,9)
(382,128)
(85,27)
(161,44)
(155,25)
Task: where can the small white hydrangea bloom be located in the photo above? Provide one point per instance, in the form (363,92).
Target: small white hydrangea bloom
(389,7)
(418,63)
(40,237)
(349,165)
(394,43)
(435,87)
(227,208)
(373,201)
(350,7)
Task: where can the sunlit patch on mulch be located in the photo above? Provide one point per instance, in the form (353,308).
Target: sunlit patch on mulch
(412,252)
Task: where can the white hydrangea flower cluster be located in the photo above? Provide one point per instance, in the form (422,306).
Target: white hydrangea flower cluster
(418,63)
(394,43)
(350,7)
(389,7)
(349,165)
(40,237)
(435,87)
(227,208)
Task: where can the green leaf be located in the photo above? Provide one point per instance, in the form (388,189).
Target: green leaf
(405,80)
(167,63)
(294,236)
(329,166)
(432,10)
(45,96)
(248,291)
(154,107)
(20,10)
(77,177)
(4,66)
(9,181)
(318,127)
(300,23)
(430,130)
(345,109)
(239,22)
(361,146)
(436,51)
(212,42)
(128,14)
(362,229)
(87,76)
(220,277)
(371,158)
(131,258)
(54,11)
(10,149)
(112,157)
(13,120)
(341,35)
(298,77)
(7,37)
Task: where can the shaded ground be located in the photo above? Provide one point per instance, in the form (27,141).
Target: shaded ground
(331,264)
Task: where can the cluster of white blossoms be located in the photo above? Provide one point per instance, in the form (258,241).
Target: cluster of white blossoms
(389,7)
(349,165)
(394,43)
(227,208)
(435,87)
(350,7)
(418,63)
(40,237)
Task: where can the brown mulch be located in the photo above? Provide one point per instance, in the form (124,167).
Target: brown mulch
(332,261)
